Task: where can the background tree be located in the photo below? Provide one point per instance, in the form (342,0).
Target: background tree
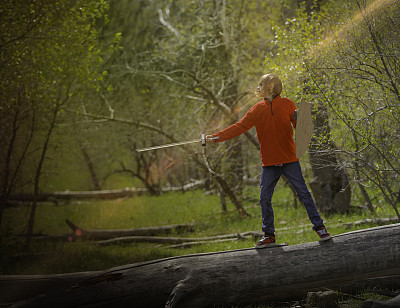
(357,82)
(51,58)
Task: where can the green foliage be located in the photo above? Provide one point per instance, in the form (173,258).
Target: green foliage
(50,45)
(342,58)
(51,57)
(294,44)
(354,77)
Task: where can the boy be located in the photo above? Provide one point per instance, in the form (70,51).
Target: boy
(273,118)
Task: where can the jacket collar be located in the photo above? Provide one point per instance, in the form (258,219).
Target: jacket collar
(273,98)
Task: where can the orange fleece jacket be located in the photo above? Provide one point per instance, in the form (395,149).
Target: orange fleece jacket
(273,122)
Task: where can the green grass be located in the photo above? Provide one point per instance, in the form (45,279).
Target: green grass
(171,208)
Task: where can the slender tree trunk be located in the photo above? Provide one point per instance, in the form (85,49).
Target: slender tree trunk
(225,186)
(89,164)
(9,178)
(235,171)
(5,180)
(223,201)
(38,174)
(357,169)
(143,174)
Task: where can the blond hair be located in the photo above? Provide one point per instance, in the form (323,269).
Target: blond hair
(272,78)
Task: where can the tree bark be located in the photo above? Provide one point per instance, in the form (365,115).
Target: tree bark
(244,276)
(89,164)
(330,185)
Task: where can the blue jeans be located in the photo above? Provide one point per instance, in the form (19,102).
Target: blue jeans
(269,177)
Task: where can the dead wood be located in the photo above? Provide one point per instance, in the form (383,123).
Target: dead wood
(238,277)
(114,237)
(110,234)
(368,221)
(191,244)
(97,194)
(79,195)
(104,235)
(171,240)
(374,221)
(51,237)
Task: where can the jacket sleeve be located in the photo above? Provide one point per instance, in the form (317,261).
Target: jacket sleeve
(240,127)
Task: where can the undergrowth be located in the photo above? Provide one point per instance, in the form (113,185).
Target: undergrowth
(194,207)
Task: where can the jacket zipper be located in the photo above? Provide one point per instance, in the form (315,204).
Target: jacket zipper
(265,100)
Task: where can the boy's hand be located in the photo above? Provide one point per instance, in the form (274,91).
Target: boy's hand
(211,138)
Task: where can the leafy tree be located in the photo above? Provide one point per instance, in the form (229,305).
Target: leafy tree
(50,57)
(356,79)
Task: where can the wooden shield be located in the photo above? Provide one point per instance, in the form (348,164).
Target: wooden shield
(304,128)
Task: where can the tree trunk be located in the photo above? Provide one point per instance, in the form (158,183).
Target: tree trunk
(358,176)
(38,173)
(89,164)
(223,184)
(8,176)
(223,201)
(330,185)
(244,276)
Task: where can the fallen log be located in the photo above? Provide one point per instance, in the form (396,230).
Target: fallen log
(191,244)
(348,225)
(111,234)
(110,237)
(244,276)
(169,240)
(100,235)
(98,194)
(79,195)
(375,221)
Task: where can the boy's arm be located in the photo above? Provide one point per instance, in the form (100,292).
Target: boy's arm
(240,127)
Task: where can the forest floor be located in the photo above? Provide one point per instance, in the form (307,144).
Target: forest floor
(193,207)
